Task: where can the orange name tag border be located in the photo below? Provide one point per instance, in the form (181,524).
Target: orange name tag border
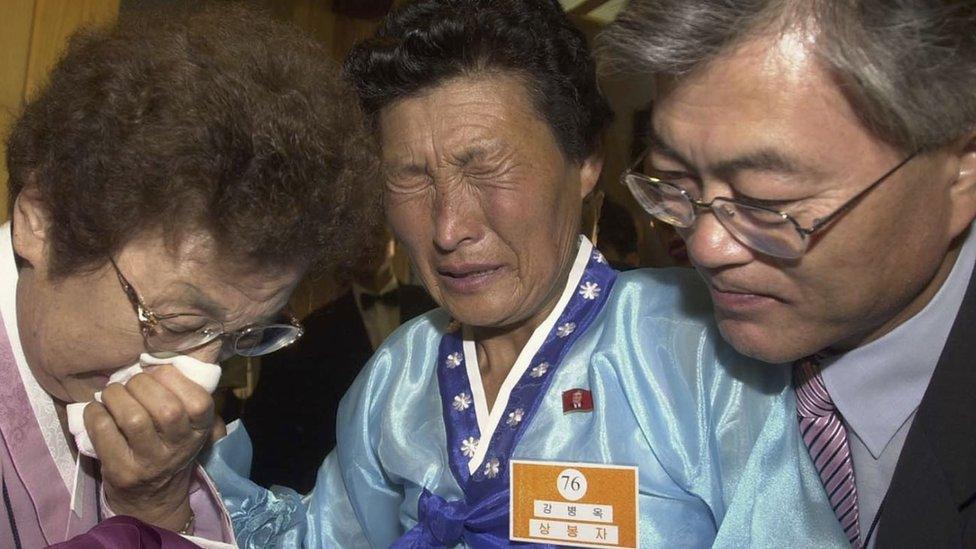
(568,464)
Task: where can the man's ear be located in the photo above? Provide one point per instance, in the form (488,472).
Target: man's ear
(590,173)
(962,191)
(31,227)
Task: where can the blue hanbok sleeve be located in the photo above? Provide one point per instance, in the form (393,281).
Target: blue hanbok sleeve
(262,518)
(280,517)
(354,503)
(721,426)
(765,488)
(350,491)
(332,522)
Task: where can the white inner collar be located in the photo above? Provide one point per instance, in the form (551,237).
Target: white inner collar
(488,420)
(41,402)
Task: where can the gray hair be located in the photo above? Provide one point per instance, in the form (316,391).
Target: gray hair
(908,67)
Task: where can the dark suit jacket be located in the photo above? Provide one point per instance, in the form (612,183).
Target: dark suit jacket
(291,417)
(930,502)
(414,301)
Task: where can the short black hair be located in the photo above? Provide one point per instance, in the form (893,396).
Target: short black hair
(428,42)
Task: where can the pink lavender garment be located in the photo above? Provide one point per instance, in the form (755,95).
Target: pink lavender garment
(36,498)
(123,532)
(35,509)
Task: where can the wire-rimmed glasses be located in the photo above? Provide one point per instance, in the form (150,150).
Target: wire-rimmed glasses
(764,229)
(177,332)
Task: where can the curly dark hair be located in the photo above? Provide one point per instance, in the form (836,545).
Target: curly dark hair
(427,42)
(216,119)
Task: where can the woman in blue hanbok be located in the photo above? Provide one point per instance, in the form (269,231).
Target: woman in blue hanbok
(490,121)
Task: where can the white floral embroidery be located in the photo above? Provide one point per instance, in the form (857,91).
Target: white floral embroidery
(539,370)
(589,290)
(469,446)
(492,468)
(462,402)
(565,329)
(515,417)
(598,257)
(453,360)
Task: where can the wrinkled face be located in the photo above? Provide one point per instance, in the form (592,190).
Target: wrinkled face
(79,329)
(766,122)
(483,199)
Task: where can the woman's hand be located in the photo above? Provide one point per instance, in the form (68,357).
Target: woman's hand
(147,434)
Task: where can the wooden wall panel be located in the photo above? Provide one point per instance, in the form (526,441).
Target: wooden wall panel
(33,34)
(15,37)
(54,22)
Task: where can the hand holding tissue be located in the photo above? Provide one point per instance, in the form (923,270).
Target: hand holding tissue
(203,374)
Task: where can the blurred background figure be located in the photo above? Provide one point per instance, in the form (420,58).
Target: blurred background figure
(291,415)
(616,236)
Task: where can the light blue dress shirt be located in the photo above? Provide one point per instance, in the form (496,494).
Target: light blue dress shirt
(878,387)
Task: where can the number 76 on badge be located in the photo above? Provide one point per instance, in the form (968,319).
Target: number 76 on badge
(576,504)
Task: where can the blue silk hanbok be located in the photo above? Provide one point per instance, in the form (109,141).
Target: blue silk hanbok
(713,434)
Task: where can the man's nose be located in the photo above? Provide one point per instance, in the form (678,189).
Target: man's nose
(711,246)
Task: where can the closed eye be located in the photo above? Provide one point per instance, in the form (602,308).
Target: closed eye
(772,204)
(682,180)
(484,174)
(408,184)
(184,324)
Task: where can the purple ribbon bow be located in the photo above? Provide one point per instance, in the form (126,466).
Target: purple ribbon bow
(483,525)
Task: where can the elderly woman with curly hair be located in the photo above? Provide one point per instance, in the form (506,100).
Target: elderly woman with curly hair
(170,185)
(490,122)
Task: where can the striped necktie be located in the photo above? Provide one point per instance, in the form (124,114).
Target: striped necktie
(825,436)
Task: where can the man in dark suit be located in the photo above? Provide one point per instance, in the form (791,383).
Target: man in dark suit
(291,416)
(819,159)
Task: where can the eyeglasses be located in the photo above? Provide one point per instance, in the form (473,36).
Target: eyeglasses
(174,333)
(766,230)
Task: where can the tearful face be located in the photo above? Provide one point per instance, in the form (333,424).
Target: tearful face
(483,198)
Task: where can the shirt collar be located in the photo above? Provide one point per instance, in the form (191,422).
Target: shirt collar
(390,286)
(878,386)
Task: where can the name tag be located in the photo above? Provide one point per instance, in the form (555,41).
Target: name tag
(576,504)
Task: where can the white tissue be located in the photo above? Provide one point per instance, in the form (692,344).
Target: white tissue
(203,374)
